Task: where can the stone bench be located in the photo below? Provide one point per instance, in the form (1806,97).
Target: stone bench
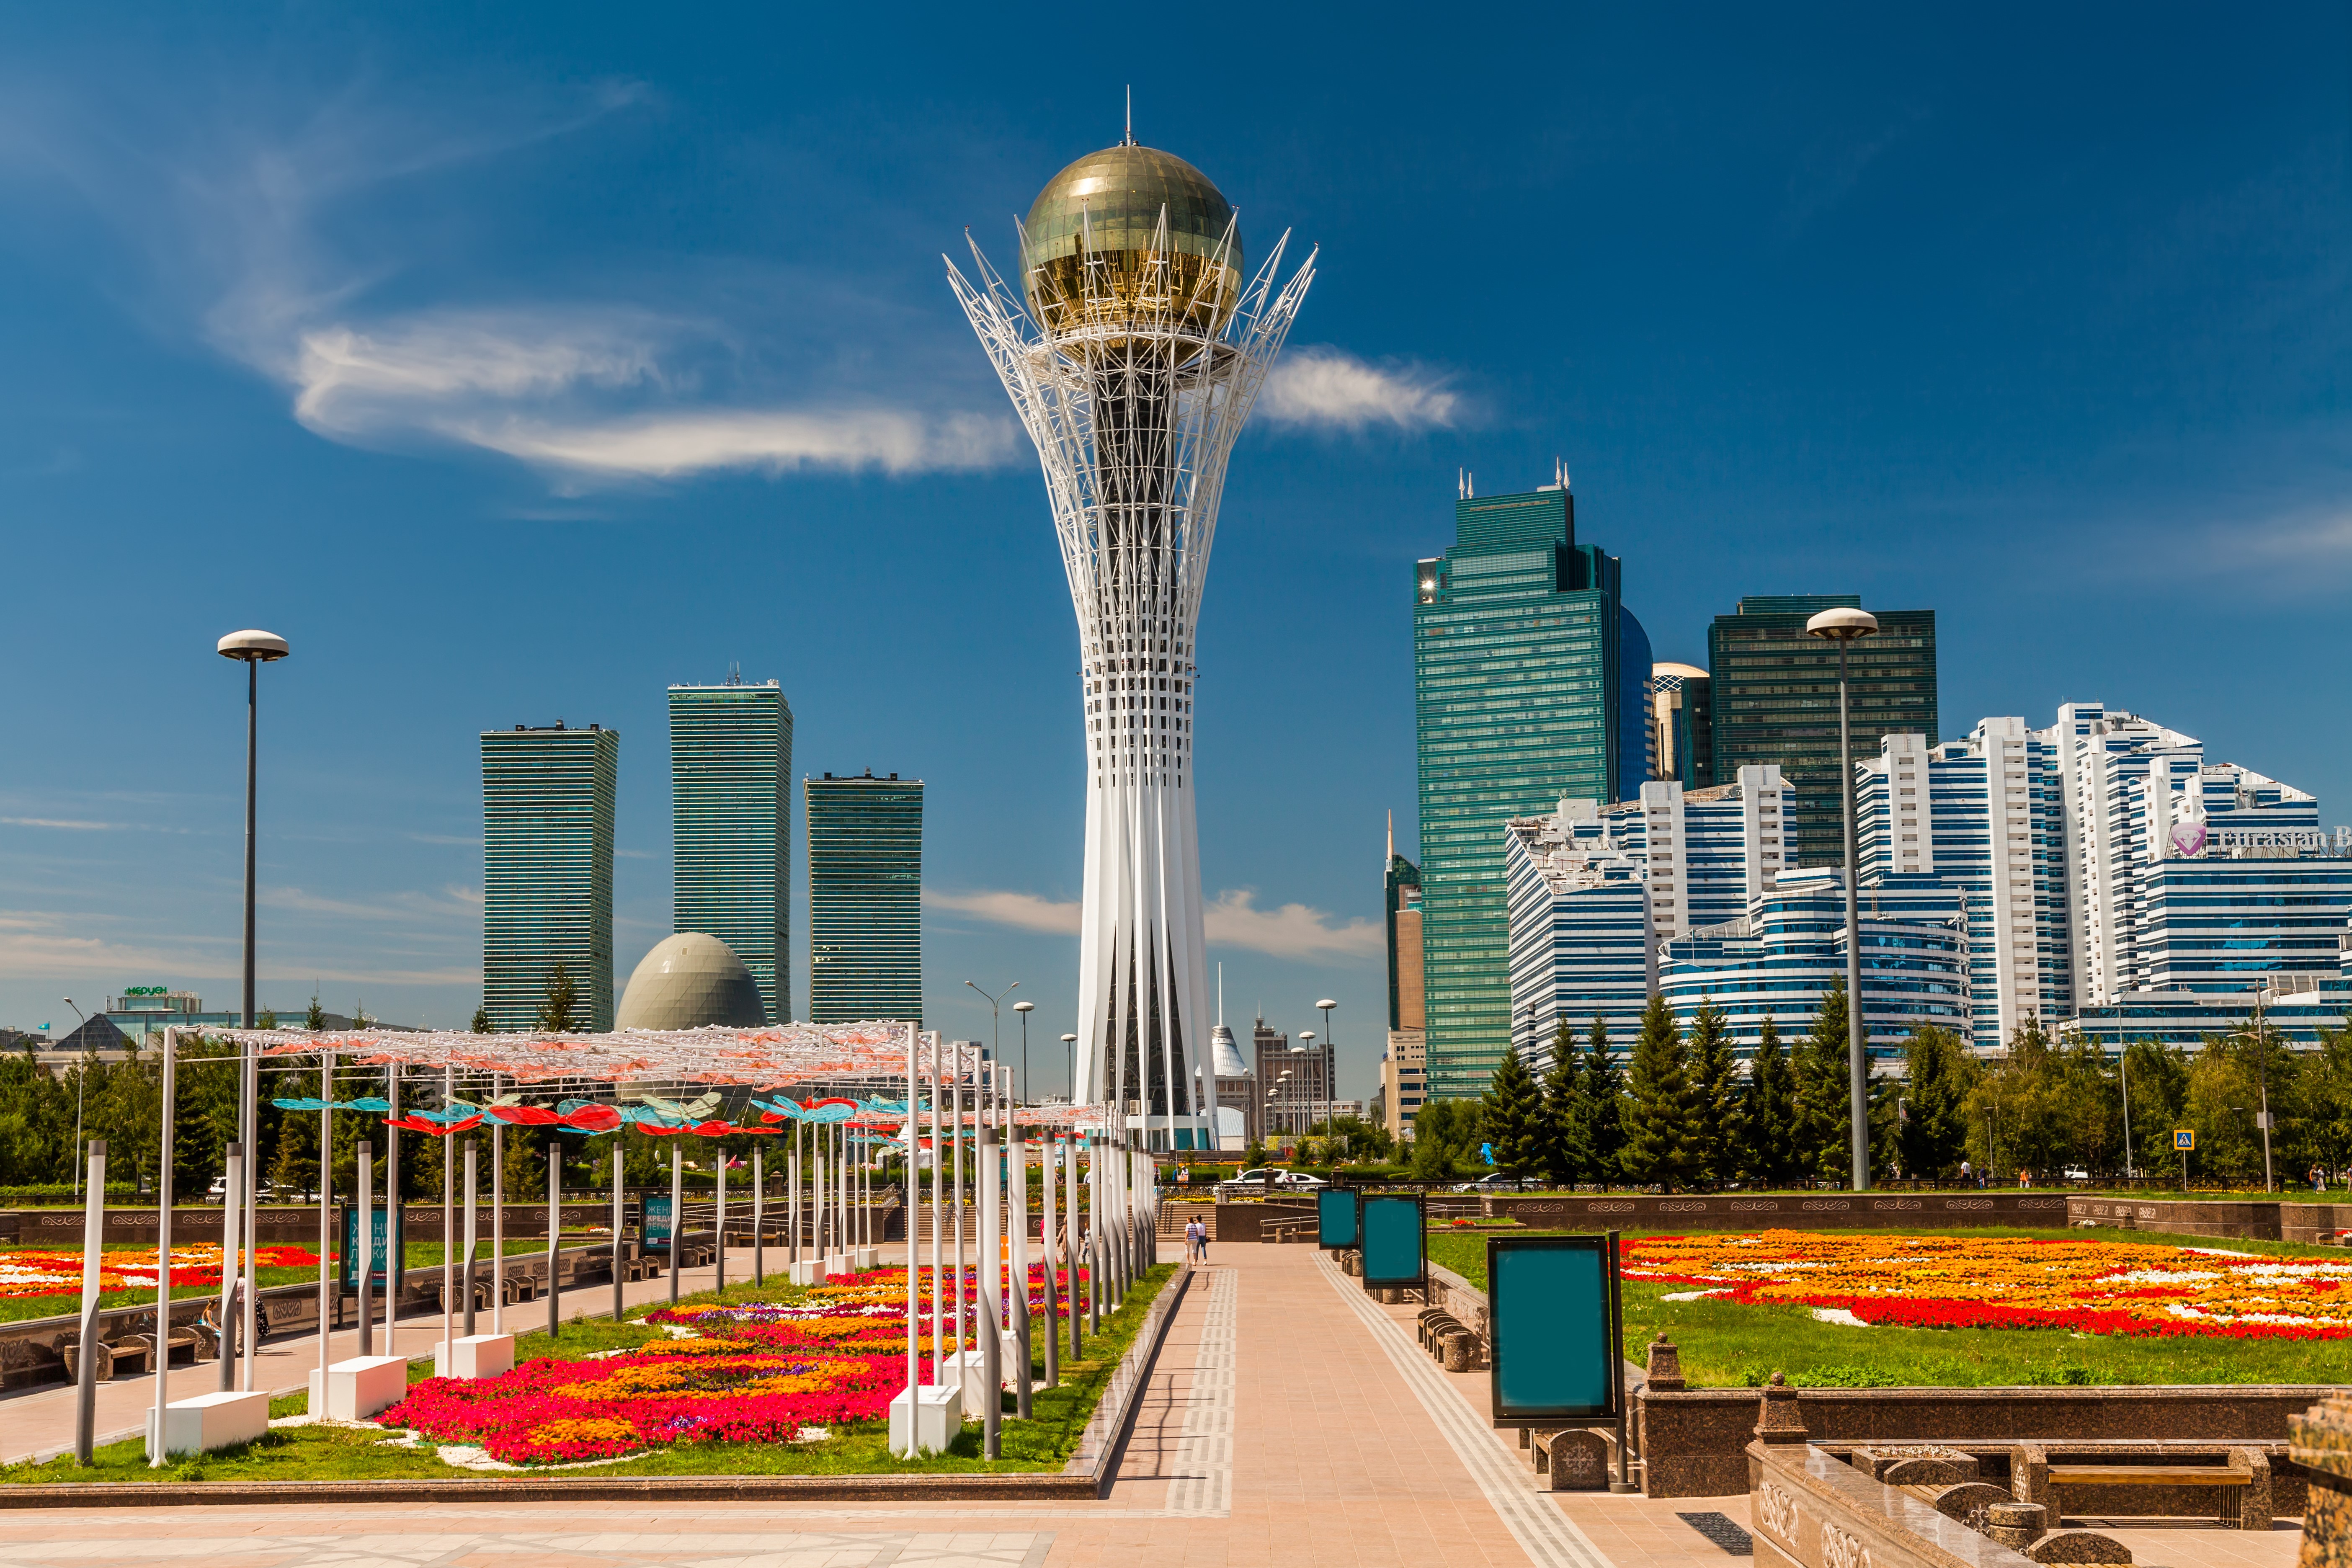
(2228,1482)
(210,1421)
(1572,1458)
(358,1386)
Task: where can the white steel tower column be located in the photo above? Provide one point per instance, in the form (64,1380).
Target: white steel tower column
(1132,350)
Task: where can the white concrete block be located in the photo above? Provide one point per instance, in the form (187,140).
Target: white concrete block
(359,1386)
(805,1272)
(210,1421)
(478,1356)
(937,1409)
(967,1371)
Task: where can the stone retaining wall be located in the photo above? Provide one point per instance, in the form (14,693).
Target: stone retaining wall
(1792,1210)
(2256,1219)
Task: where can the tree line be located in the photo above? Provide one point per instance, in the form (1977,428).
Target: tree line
(1680,1112)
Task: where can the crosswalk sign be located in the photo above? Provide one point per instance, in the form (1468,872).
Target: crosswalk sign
(2184,1137)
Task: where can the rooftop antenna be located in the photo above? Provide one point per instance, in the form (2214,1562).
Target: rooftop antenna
(1131,116)
(1392,859)
(1221,994)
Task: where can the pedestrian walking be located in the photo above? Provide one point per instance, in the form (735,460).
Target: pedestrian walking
(1204,1243)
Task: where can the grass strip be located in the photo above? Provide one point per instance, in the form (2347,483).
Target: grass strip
(1725,1345)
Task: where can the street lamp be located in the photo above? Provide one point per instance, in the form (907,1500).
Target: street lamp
(253,649)
(2258,1037)
(81,1090)
(992,1001)
(1024,1009)
(1330,1070)
(1071,1068)
(1844,627)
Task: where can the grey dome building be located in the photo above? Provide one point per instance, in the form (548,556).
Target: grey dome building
(688,981)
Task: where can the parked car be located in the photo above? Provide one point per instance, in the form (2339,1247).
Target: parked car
(1492,1182)
(2076,1173)
(1298,1179)
(218,1192)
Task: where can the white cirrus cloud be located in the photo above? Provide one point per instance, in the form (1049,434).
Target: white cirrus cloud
(350,382)
(1022,911)
(1325,386)
(1232,920)
(673,445)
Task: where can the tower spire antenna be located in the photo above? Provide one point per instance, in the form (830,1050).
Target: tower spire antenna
(1131,116)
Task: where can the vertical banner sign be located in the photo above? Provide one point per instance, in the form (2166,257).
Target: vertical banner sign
(1337,1225)
(656,1222)
(1549,1309)
(379,1251)
(1393,1234)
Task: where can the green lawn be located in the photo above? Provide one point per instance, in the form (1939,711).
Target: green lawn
(1043,1443)
(1726,1346)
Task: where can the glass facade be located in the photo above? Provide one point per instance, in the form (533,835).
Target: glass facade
(1775,698)
(866,898)
(547,869)
(1531,683)
(730,766)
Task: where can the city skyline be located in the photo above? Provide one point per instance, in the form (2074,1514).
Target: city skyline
(531,389)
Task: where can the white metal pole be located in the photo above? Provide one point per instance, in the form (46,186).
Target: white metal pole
(991,1333)
(759,1217)
(792,1194)
(554,1234)
(677,1214)
(93,1249)
(249,1309)
(955,1137)
(473,1236)
(938,1288)
(719,1222)
(232,1256)
(162,1357)
(1016,1170)
(1049,1247)
(914,1296)
(497,1218)
(620,1219)
(326,1218)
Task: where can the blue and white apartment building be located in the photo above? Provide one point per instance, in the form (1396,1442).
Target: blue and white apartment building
(2099,875)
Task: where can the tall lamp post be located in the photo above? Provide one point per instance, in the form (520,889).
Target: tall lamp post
(81,1090)
(1024,1009)
(253,649)
(2259,1037)
(1070,1083)
(1330,1073)
(1845,627)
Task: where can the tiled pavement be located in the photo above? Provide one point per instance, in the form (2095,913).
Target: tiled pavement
(1280,1428)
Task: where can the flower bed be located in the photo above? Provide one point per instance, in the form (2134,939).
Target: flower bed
(753,1371)
(1956,1281)
(57,1273)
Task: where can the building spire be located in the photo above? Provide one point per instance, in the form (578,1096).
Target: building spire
(1129,141)
(1392,859)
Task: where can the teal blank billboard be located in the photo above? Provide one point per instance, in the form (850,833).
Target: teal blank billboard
(1550,1310)
(1335,1218)
(1393,1234)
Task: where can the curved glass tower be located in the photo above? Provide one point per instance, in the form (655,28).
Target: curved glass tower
(1132,350)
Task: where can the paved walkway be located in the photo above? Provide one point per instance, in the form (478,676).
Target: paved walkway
(1289,1421)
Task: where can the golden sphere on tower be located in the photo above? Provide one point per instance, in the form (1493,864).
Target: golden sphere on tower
(1107,204)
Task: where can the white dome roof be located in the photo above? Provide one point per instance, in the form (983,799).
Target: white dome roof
(688,981)
(1225,1052)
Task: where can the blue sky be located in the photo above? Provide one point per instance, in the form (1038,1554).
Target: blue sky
(516,362)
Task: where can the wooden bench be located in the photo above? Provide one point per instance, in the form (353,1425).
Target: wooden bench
(2235,1480)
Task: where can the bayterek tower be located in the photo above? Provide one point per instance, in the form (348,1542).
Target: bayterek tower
(1132,342)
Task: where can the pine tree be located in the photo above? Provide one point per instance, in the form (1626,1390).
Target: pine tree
(1568,1155)
(1514,1117)
(482,1024)
(266,1019)
(1769,1112)
(315,1020)
(1824,1097)
(559,1013)
(1600,1093)
(1662,1105)
(1938,1073)
(1715,1075)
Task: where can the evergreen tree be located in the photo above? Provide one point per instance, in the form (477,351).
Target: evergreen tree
(482,1021)
(1938,1072)
(359,1020)
(315,1020)
(1768,1112)
(1569,1151)
(559,1013)
(1824,1096)
(1715,1075)
(1514,1117)
(1662,1106)
(1600,1092)
(266,1019)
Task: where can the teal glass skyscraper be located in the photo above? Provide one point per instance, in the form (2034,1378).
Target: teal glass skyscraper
(547,869)
(1531,683)
(730,770)
(866,898)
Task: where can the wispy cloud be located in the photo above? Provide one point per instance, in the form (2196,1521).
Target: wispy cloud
(669,445)
(1232,920)
(81,825)
(1022,911)
(406,904)
(1324,386)
(1292,931)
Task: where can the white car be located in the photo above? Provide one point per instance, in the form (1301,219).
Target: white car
(2076,1173)
(1298,1179)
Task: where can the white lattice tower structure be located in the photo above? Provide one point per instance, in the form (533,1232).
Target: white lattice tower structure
(1132,350)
